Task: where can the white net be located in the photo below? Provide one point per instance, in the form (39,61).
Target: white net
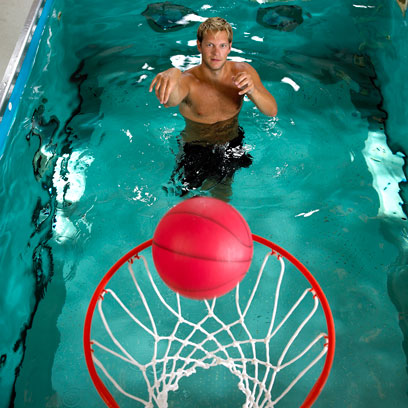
(182,342)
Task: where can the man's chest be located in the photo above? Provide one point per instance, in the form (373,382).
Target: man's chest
(211,102)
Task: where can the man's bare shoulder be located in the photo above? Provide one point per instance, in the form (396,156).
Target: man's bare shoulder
(189,78)
(240,66)
(191,73)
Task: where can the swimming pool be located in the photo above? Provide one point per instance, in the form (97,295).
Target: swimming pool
(90,149)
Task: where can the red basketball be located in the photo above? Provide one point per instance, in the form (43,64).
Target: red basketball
(202,248)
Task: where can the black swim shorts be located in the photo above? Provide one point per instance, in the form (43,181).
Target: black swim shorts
(197,163)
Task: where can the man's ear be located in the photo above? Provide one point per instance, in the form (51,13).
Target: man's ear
(199,46)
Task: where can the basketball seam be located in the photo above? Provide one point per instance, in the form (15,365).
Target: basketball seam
(215,222)
(199,257)
(184,290)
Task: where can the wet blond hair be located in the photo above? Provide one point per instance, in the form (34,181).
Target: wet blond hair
(214,24)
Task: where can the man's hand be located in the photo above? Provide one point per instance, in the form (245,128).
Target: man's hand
(249,83)
(164,84)
(244,81)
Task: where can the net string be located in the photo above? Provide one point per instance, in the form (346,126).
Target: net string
(172,368)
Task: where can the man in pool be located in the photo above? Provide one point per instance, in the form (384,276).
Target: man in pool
(210,97)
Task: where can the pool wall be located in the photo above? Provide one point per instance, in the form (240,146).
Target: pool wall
(391,70)
(20,66)
(390,64)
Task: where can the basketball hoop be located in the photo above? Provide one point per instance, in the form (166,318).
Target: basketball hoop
(181,345)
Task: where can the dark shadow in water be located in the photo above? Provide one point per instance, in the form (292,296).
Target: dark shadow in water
(281,18)
(42,221)
(55,140)
(166,16)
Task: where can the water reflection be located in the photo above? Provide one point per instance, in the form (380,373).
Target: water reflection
(69,181)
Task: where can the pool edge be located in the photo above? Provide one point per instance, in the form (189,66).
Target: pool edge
(20,64)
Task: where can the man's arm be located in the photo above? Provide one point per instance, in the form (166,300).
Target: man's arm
(250,84)
(170,87)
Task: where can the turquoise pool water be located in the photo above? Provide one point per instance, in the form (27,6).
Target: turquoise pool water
(90,150)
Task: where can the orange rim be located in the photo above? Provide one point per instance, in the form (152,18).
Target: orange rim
(331,336)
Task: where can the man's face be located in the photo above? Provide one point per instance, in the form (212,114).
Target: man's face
(214,49)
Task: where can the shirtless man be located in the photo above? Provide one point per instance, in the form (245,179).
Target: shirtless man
(210,96)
